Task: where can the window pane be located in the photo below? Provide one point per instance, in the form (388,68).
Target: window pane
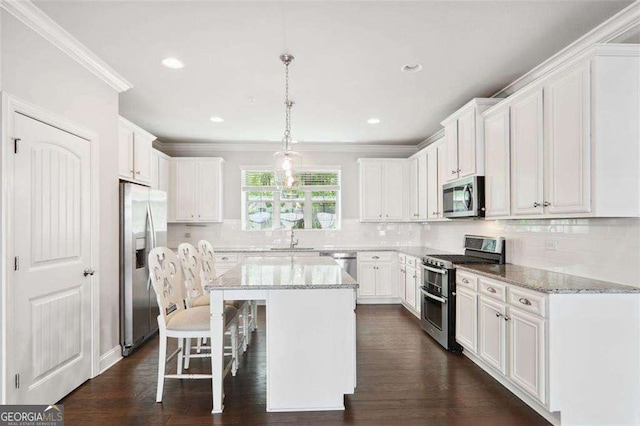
(324,195)
(259,179)
(259,214)
(324,215)
(292,215)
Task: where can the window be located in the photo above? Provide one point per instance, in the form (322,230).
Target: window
(316,205)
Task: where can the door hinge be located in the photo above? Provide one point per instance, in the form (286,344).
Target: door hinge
(15,145)
(17,381)
(16,263)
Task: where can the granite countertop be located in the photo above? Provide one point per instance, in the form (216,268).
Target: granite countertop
(415,251)
(287,272)
(546,281)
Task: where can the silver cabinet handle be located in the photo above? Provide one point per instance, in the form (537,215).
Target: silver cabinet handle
(525,301)
(459,170)
(466,281)
(546,204)
(88,272)
(536,204)
(224,258)
(434,213)
(375,257)
(498,314)
(138,172)
(491,289)
(507,318)
(453,172)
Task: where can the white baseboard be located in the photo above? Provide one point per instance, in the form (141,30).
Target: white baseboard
(110,358)
(382,300)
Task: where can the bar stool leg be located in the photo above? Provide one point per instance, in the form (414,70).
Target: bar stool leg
(162,363)
(187,354)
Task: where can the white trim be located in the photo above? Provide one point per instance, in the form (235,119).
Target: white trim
(135,128)
(431,139)
(110,358)
(34,18)
(11,105)
(378,300)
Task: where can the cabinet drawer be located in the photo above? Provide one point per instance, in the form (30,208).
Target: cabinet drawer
(375,256)
(493,289)
(466,280)
(226,257)
(412,261)
(529,301)
(402,258)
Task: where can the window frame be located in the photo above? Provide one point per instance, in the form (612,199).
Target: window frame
(276,201)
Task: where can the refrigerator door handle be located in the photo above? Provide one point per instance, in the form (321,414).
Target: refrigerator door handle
(152,234)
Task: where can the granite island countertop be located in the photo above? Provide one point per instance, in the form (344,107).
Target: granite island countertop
(284,273)
(546,281)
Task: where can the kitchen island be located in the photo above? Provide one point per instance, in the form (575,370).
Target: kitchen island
(311,329)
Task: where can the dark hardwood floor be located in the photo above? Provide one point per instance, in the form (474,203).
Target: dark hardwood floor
(404,378)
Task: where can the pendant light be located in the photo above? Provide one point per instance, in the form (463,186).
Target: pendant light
(287,161)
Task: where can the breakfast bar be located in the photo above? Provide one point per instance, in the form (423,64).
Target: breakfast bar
(310,326)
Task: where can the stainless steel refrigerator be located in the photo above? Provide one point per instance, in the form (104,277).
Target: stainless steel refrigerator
(143,226)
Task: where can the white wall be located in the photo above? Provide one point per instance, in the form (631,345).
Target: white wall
(36,71)
(605,249)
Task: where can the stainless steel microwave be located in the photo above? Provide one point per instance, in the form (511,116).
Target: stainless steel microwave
(464,198)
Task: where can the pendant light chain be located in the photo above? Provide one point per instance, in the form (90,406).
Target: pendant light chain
(288,104)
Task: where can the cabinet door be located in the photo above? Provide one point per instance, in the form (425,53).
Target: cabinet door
(185,191)
(433,185)
(422,186)
(394,193)
(418,284)
(125,152)
(451,152)
(467,319)
(492,334)
(163,173)
(367,279)
(567,144)
(442,170)
(410,287)
(385,284)
(371,191)
(467,144)
(208,191)
(527,155)
(527,348)
(413,190)
(401,282)
(497,171)
(155,172)
(142,158)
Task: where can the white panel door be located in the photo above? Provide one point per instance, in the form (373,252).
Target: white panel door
(208,191)
(155,172)
(467,144)
(442,168)
(163,173)
(385,285)
(367,279)
(450,173)
(567,143)
(410,287)
(371,191)
(185,191)
(422,186)
(125,152)
(497,165)
(142,158)
(527,362)
(467,319)
(401,279)
(413,190)
(50,318)
(492,334)
(433,185)
(527,155)
(418,284)
(394,193)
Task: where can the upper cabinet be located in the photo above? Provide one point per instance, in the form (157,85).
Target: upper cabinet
(195,189)
(569,140)
(135,147)
(160,170)
(382,195)
(418,187)
(464,140)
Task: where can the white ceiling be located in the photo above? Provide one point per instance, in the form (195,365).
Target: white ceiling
(347,66)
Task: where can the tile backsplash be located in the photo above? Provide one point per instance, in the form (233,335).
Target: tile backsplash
(605,249)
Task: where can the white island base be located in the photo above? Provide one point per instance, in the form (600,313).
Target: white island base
(311,344)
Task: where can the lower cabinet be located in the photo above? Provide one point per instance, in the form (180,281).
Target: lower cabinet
(467,319)
(492,330)
(377,277)
(410,287)
(225,261)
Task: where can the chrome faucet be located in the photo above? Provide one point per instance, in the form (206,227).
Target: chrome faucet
(292,243)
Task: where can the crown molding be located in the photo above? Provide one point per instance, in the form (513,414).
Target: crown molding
(431,139)
(202,149)
(607,32)
(34,18)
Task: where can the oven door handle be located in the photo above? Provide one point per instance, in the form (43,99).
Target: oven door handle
(437,271)
(431,296)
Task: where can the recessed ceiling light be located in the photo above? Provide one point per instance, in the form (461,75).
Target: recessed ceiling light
(412,68)
(173,63)
(373,121)
(217,119)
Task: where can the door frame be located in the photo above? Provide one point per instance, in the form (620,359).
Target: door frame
(9,106)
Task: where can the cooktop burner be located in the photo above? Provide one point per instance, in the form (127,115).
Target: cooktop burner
(462,259)
(478,250)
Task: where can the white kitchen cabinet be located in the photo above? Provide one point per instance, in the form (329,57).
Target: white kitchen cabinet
(492,333)
(413,190)
(412,288)
(527,154)
(225,261)
(497,164)
(433,184)
(159,170)
(401,276)
(567,106)
(464,140)
(377,277)
(382,197)
(195,190)
(135,147)
(527,352)
(422,186)
(467,319)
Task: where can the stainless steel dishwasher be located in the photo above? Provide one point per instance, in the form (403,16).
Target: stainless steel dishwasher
(348,260)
